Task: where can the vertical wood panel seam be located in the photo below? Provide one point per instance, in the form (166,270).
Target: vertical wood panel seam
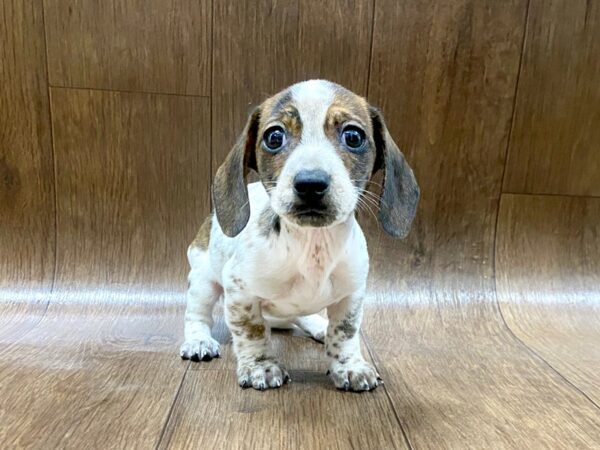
(123,91)
(370,68)
(210,175)
(172,407)
(367,345)
(387,394)
(54,269)
(211,97)
(54,171)
(513,335)
(515,97)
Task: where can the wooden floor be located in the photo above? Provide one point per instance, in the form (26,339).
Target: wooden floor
(513,364)
(484,323)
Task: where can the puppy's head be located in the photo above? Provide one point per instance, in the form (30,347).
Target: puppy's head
(315,146)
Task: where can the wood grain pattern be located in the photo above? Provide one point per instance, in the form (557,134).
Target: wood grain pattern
(443,75)
(262,47)
(548,276)
(462,381)
(26,171)
(26,180)
(101,369)
(131,45)
(94,364)
(555,144)
(95,373)
(432,322)
(307,414)
(132,184)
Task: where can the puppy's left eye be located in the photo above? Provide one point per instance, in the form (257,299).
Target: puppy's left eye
(353,137)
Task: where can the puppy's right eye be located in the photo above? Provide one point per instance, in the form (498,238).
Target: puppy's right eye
(274,139)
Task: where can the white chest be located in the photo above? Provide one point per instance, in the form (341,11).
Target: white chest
(300,296)
(309,278)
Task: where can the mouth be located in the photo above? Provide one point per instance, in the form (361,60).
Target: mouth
(314,216)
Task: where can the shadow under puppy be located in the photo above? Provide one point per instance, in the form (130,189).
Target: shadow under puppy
(289,246)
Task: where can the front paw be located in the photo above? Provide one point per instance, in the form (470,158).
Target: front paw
(200,349)
(262,374)
(354,376)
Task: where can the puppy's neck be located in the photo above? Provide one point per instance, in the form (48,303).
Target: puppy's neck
(317,247)
(339,232)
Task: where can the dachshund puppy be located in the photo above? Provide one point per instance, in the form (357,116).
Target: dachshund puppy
(289,246)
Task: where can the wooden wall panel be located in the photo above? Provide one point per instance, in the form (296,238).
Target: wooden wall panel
(132,185)
(261,47)
(27,228)
(444,74)
(555,144)
(101,368)
(138,45)
(26,171)
(548,276)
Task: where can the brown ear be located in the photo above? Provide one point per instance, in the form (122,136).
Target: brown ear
(229,190)
(400,195)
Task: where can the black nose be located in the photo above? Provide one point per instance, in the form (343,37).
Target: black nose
(311,185)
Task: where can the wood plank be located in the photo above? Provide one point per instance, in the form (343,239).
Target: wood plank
(556,139)
(101,369)
(95,373)
(453,135)
(548,276)
(235,418)
(26,171)
(132,187)
(456,376)
(212,412)
(443,74)
(261,47)
(462,382)
(131,45)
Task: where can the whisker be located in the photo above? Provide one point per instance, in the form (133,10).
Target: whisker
(365,206)
(368,181)
(370,203)
(372,196)
(369,194)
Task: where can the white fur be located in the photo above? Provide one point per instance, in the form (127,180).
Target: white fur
(282,281)
(312,100)
(289,275)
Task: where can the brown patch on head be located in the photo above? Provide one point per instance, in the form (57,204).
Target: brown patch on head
(346,109)
(203,237)
(278,110)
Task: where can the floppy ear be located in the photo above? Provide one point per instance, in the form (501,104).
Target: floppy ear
(400,196)
(229,190)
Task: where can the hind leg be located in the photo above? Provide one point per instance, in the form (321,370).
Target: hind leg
(314,325)
(202,295)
